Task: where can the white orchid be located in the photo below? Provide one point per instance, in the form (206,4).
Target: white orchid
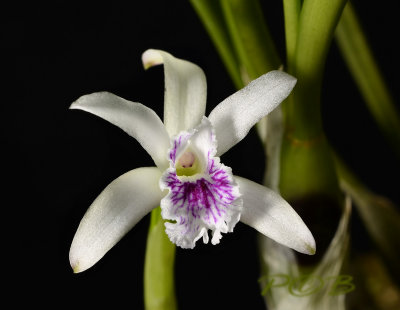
(196,192)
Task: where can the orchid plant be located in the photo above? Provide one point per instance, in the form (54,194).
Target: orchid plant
(191,195)
(195,191)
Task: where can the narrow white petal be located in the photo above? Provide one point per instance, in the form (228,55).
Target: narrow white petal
(234,117)
(185,90)
(134,118)
(271,215)
(114,212)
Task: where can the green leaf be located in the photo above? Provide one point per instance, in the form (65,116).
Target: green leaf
(250,36)
(360,61)
(211,15)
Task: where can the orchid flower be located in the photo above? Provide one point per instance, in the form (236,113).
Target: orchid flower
(196,192)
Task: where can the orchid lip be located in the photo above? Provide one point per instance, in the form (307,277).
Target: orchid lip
(202,192)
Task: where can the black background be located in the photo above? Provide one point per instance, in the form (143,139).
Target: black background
(56,161)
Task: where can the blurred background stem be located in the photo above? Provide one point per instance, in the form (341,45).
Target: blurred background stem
(360,61)
(211,15)
(250,36)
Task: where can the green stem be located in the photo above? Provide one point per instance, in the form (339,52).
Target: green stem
(358,56)
(307,170)
(212,18)
(159,291)
(291,10)
(318,20)
(307,166)
(250,36)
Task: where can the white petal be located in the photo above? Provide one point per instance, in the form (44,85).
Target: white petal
(234,117)
(134,118)
(185,90)
(114,212)
(271,215)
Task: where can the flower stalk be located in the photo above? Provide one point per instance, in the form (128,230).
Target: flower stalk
(159,284)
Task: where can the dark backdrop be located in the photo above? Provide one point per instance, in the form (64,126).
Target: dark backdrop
(56,161)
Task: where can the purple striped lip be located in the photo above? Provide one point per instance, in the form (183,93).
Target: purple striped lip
(202,192)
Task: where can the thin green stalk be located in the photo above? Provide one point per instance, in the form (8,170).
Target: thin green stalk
(291,10)
(250,36)
(159,290)
(358,56)
(307,166)
(212,18)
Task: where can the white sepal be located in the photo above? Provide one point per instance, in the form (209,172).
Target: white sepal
(139,121)
(114,212)
(185,90)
